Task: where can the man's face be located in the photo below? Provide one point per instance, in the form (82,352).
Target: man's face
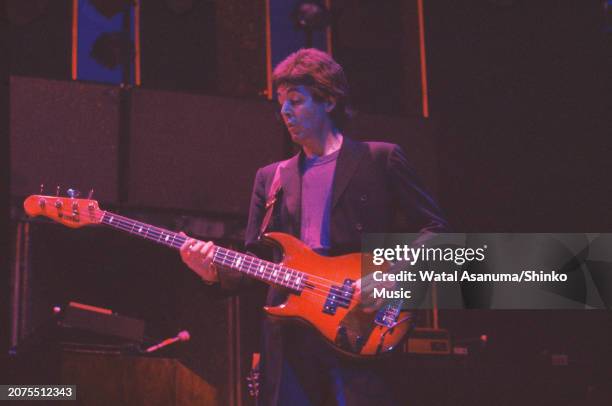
(305,118)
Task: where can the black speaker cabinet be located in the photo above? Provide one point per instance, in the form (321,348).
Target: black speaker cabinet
(199,152)
(63,133)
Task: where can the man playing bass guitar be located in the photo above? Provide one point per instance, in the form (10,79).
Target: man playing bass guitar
(330,193)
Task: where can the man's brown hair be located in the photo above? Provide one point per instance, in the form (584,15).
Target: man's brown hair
(323,76)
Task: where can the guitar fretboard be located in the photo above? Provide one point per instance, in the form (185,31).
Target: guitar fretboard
(156,234)
(254,267)
(259,269)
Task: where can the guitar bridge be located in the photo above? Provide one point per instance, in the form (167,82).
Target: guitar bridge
(339,296)
(387,316)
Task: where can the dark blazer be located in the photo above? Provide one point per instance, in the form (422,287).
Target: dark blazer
(373,183)
(374,190)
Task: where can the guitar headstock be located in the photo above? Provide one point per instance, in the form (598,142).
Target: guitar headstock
(68,211)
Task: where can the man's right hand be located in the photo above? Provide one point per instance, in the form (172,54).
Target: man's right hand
(197,255)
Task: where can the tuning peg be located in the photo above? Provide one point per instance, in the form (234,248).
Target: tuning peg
(57,190)
(90,195)
(73,193)
(42,187)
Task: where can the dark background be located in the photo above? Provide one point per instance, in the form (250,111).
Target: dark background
(520,88)
(518,140)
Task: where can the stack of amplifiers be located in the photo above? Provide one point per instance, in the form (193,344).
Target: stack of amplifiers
(71,134)
(180,151)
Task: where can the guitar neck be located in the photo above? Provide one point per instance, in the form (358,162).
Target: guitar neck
(254,267)
(143,230)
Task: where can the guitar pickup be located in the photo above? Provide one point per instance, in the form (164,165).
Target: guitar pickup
(339,296)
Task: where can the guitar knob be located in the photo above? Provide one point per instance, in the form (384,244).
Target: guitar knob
(73,193)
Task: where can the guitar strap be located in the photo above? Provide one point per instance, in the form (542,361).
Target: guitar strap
(273,194)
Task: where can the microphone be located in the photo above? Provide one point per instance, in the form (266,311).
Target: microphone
(182,336)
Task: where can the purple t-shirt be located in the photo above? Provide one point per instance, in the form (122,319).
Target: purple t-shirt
(317,178)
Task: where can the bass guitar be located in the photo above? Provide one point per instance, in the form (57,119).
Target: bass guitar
(321,291)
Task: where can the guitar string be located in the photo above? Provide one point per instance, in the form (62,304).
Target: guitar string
(129,226)
(158,233)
